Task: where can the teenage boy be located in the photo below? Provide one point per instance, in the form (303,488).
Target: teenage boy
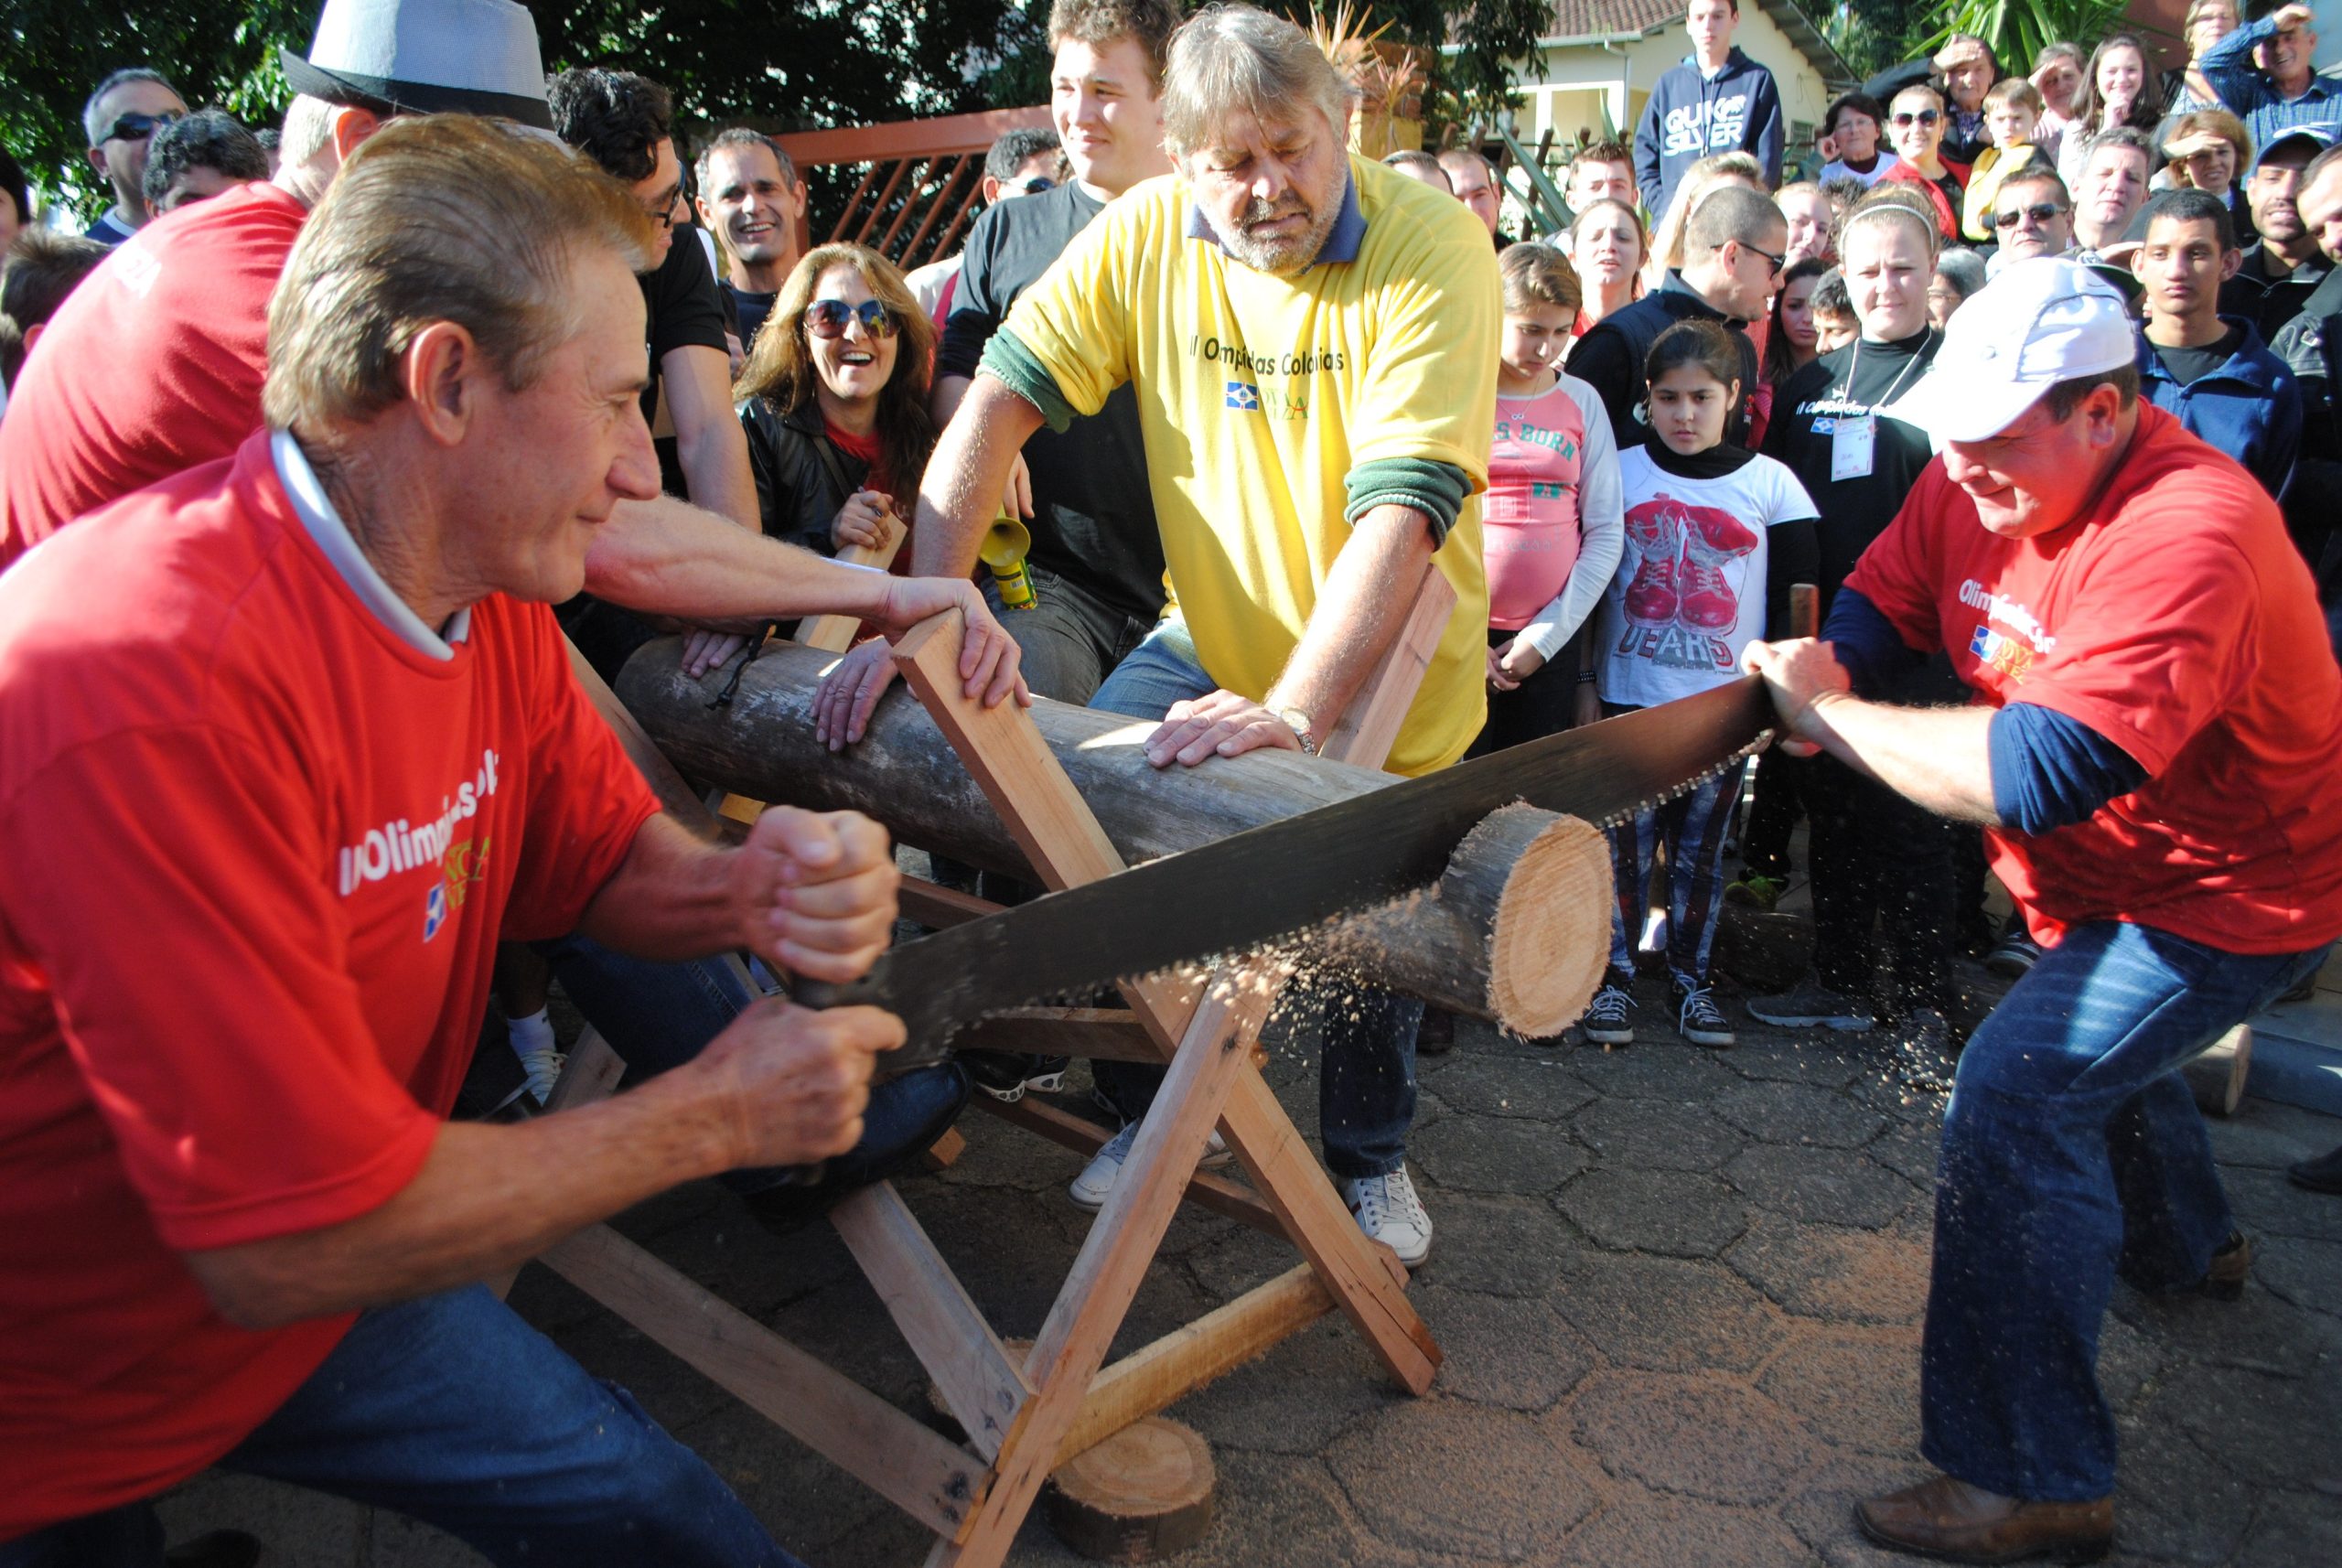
(1717,101)
(1853,125)
(1602,171)
(2012,111)
(2214,374)
(2281,268)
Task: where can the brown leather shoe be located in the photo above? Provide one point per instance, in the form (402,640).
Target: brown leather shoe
(1950,1519)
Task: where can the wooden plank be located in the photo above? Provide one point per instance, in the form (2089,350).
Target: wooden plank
(942,1154)
(1085,1138)
(901,167)
(834,634)
(920,1473)
(1100,1034)
(962,166)
(1185,1360)
(1369,725)
(910,138)
(931,904)
(982,1385)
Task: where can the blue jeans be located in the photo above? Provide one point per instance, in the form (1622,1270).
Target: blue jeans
(452,1410)
(2072,1153)
(1366,1083)
(1693,826)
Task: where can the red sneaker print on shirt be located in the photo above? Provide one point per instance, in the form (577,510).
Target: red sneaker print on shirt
(1682,602)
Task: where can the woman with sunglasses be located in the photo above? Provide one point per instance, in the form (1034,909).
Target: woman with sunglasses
(834,403)
(1916,121)
(2120,88)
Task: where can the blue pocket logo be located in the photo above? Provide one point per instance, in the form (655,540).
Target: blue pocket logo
(1243,395)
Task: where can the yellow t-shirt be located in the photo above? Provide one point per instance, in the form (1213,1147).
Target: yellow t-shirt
(1258,397)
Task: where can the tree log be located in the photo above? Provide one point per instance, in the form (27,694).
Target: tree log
(1515,931)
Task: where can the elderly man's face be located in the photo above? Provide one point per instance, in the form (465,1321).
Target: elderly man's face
(542,467)
(1271,189)
(2036,476)
(122,158)
(2288,57)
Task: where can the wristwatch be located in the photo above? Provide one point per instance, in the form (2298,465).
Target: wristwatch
(1298,722)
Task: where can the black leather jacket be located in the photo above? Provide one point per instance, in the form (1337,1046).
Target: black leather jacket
(802,479)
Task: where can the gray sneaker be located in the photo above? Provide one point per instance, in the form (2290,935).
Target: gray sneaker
(1606,1022)
(1809,1005)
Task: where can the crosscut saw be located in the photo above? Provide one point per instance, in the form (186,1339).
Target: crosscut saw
(1251,888)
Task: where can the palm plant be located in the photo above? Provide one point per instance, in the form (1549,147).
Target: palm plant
(2018,29)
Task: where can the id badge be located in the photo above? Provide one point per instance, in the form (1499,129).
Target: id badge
(1851,447)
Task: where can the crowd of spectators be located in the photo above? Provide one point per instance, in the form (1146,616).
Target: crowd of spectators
(1623,443)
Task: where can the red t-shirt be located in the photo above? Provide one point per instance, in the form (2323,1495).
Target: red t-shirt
(260,850)
(151,366)
(2176,620)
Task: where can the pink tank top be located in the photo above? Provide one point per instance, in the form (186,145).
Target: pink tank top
(1528,521)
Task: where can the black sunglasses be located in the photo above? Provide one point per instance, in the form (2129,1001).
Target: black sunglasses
(1776,262)
(137,127)
(2039,211)
(1924,117)
(828,318)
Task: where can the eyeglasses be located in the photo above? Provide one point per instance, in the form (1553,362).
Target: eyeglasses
(663,212)
(2040,213)
(137,127)
(1924,117)
(830,318)
(1772,261)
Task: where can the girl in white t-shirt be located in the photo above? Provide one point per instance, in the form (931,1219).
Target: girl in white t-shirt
(1552,524)
(1714,537)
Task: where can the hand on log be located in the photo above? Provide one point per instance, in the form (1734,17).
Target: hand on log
(989,658)
(815,892)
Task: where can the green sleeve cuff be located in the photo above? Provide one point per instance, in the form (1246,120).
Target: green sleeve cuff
(1436,489)
(1024,375)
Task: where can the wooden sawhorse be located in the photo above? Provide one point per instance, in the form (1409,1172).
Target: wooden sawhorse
(1024,1417)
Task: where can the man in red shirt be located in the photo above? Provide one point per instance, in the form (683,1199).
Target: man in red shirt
(288,743)
(2151,746)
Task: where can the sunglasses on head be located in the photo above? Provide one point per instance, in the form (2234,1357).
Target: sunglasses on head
(828,318)
(137,127)
(1924,117)
(2039,211)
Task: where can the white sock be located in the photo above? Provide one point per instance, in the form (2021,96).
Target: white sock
(533,1033)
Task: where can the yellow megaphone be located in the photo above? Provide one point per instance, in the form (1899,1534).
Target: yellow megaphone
(1005,548)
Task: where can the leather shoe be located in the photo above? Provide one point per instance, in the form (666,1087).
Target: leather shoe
(2323,1174)
(1950,1520)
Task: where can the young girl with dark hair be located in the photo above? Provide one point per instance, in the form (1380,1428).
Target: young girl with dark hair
(1714,535)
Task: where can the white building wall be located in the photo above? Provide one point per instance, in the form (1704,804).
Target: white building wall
(1573,85)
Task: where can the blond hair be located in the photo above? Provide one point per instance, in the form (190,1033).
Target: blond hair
(1703,177)
(438,217)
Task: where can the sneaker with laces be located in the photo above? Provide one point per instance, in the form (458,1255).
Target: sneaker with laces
(1389,1211)
(1008,1076)
(1606,1022)
(2016,952)
(1809,1005)
(543,1067)
(1089,1189)
(1698,1018)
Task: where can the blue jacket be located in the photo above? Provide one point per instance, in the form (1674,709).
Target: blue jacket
(1689,117)
(2249,408)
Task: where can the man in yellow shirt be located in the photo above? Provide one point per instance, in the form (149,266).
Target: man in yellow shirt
(1313,341)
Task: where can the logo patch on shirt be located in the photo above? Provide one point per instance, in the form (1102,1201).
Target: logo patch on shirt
(435,910)
(1244,395)
(2005,654)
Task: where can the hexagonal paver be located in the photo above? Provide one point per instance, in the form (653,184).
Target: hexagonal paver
(1823,1271)
(1503,1350)
(1677,1214)
(2269,1426)
(1822,1512)
(1296,1399)
(1833,1187)
(1857,1389)
(1537,1089)
(1910,1151)
(1657,1134)
(2294,1529)
(1791,1056)
(1437,1474)
(2260,1333)
(2173,1503)
(1797,1114)
(1501,1245)
(2268,1205)
(1658,1066)
(2303,1272)
(1664,1315)
(1659,1531)
(1491,1153)
(1698,1436)
(1296,1501)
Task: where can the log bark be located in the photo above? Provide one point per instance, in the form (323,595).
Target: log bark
(1515,932)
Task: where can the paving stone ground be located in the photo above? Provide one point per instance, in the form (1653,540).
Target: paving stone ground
(1680,1293)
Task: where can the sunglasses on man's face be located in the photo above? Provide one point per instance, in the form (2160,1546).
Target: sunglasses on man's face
(1924,117)
(2041,212)
(828,318)
(137,127)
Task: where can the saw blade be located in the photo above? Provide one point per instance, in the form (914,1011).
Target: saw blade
(1247,890)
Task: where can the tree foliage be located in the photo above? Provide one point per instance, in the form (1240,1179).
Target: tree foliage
(2017,29)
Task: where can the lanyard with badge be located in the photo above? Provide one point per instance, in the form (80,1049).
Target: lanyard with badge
(1854,441)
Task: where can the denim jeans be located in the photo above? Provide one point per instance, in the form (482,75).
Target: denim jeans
(1693,826)
(452,1410)
(1071,639)
(1366,1082)
(2072,1153)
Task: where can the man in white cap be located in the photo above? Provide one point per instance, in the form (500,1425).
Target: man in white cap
(2151,746)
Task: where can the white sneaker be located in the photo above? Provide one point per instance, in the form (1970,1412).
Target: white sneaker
(1389,1211)
(543,1067)
(1097,1178)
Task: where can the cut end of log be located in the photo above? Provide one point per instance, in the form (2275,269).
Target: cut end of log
(1143,1494)
(1550,935)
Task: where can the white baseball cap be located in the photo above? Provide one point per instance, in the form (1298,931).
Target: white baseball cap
(2040,321)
